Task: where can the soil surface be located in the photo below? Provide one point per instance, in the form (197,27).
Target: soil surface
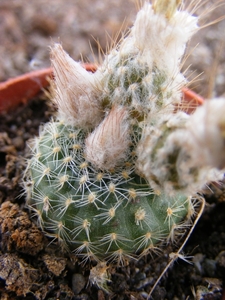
(31,265)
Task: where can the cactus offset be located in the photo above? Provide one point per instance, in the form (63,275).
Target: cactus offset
(113,174)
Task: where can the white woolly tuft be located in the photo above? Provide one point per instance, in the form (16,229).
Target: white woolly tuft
(189,155)
(154,49)
(76,91)
(207,130)
(107,145)
(165,39)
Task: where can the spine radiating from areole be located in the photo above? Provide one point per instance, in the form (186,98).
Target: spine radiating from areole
(112,176)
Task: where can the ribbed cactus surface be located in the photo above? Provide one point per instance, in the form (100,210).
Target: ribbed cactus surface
(95,213)
(112,175)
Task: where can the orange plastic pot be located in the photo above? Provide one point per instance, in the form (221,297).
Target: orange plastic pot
(21,89)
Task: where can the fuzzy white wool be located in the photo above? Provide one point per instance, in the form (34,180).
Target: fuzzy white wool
(157,43)
(164,39)
(191,154)
(207,130)
(108,144)
(76,91)
(181,174)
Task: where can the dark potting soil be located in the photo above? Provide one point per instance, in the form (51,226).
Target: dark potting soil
(31,265)
(34,267)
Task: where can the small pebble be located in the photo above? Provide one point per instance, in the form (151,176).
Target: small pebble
(221,259)
(78,283)
(140,276)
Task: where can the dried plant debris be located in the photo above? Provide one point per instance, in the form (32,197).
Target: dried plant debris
(30,270)
(18,233)
(19,277)
(55,264)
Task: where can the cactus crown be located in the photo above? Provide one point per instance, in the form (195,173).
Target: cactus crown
(112,175)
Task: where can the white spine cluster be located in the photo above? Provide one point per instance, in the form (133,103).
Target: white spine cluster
(162,43)
(141,79)
(184,152)
(117,174)
(206,128)
(76,91)
(108,143)
(154,48)
(165,39)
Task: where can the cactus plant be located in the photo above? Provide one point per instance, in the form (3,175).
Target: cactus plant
(115,173)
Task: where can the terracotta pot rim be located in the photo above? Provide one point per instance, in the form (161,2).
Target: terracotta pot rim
(21,89)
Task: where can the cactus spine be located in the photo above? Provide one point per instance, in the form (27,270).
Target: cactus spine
(113,174)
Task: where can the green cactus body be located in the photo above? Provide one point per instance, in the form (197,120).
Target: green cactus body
(93,213)
(134,84)
(112,175)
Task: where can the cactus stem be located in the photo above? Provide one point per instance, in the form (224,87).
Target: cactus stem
(111,176)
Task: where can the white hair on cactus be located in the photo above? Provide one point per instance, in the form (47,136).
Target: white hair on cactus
(166,7)
(165,39)
(76,91)
(184,152)
(152,51)
(207,130)
(107,145)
